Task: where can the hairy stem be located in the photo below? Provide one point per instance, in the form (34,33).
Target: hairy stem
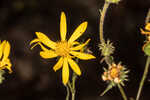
(102,17)
(143,77)
(122,92)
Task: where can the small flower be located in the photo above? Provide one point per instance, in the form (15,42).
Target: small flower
(4,54)
(116,74)
(146,46)
(66,50)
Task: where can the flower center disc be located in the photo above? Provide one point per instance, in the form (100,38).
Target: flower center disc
(62,48)
(114,72)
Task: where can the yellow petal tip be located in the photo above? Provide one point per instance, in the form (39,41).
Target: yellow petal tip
(62,13)
(86,23)
(54,69)
(79,74)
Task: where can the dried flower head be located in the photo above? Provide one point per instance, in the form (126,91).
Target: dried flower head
(115,74)
(106,48)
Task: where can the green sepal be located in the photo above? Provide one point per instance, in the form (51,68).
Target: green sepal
(110,86)
(146,48)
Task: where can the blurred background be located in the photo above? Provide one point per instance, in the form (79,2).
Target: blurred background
(33,77)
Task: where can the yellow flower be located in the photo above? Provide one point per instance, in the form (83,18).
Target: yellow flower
(4,53)
(63,48)
(147,33)
(147,28)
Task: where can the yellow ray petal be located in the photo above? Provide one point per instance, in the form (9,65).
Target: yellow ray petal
(147,27)
(79,47)
(9,69)
(42,47)
(45,40)
(5,63)
(34,41)
(65,71)
(145,32)
(6,50)
(78,32)
(58,65)
(2,48)
(74,66)
(82,56)
(75,43)
(63,26)
(48,54)
(8,65)
(34,45)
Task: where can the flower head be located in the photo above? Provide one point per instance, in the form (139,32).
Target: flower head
(146,46)
(116,74)
(106,48)
(65,49)
(4,54)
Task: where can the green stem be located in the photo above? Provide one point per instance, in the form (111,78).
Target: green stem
(102,17)
(68,92)
(73,85)
(70,86)
(122,92)
(108,60)
(73,96)
(143,77)
(74,80)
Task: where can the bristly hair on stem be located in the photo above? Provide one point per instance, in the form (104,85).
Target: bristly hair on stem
(102,17)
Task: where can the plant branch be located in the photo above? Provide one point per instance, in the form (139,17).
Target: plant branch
(102,17)
(143,77)
(122,92)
